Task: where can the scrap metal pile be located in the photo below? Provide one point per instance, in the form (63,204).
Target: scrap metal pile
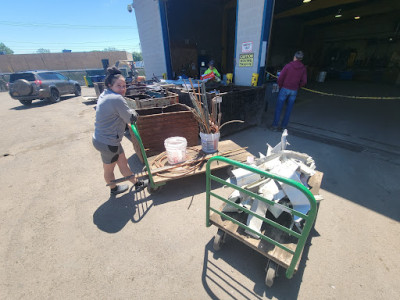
(134,89)
(284,163)
(142,95)
(143,91)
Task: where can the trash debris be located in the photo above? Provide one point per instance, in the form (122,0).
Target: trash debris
(284,163)
(242,177)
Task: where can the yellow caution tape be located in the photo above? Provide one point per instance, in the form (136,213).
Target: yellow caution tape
(345,96)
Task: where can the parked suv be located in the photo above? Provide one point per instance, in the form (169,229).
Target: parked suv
(31,85)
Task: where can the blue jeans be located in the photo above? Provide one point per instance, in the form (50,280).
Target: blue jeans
(284,94)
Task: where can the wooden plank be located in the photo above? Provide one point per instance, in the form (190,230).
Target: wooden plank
(223,146)
(269,250)
(315,182)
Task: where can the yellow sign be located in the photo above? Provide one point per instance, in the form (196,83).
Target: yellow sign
(246,60)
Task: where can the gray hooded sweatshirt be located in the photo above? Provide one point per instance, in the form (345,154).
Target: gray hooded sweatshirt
(112,115)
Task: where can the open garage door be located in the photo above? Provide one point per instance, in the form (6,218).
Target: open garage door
(352,54)
(347,39)
(200,31)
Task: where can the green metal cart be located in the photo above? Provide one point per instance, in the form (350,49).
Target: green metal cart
(152,187)
(278,242)
(156,181)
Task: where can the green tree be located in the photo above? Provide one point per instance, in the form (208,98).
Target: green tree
(5,50)
(137,56)
(42,50)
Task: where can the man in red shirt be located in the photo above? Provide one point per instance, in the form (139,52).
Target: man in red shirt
(292,77)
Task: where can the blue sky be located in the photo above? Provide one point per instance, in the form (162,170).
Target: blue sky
(84,25)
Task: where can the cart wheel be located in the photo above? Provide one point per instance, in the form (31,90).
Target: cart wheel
(271,273)
(218,239)
(152,190)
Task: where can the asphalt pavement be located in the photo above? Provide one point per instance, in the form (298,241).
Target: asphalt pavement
(63,237)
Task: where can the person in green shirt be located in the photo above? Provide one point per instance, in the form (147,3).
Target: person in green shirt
(212,69)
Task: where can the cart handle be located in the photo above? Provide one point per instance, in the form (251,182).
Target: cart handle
(309,218)
(146,162)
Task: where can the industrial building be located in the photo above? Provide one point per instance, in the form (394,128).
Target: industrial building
(65,61)
(342,39)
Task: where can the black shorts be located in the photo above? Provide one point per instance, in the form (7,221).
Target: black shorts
(109,154)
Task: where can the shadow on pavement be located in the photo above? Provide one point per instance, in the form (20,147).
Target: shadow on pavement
(115,213)
(39,103)
(33,105)
(219,283)
(90,102)
(144,202)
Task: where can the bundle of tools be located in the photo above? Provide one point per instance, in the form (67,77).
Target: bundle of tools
(209,122)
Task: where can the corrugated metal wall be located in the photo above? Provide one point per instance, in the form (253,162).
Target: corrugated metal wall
(249,29)
(151,36)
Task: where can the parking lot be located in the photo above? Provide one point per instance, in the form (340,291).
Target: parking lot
(62,237)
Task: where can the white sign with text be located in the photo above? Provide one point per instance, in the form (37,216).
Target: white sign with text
(247,47)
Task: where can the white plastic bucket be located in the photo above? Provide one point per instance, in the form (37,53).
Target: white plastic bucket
(209,142)
(176,149)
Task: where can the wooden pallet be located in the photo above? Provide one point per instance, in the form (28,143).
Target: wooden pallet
(269,250)
(195,153)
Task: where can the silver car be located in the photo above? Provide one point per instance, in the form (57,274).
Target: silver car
(32,85)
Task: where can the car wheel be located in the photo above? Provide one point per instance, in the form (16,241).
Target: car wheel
(26,102)
(54,96)
(77,90)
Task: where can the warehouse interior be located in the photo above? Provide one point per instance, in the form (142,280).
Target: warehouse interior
(348,39)
(356,45)
(343,39)
(200,31)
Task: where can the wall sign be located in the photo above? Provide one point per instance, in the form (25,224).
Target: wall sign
(246,60)
(247,47)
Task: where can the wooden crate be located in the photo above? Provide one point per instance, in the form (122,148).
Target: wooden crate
(157,124)
(146,101)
